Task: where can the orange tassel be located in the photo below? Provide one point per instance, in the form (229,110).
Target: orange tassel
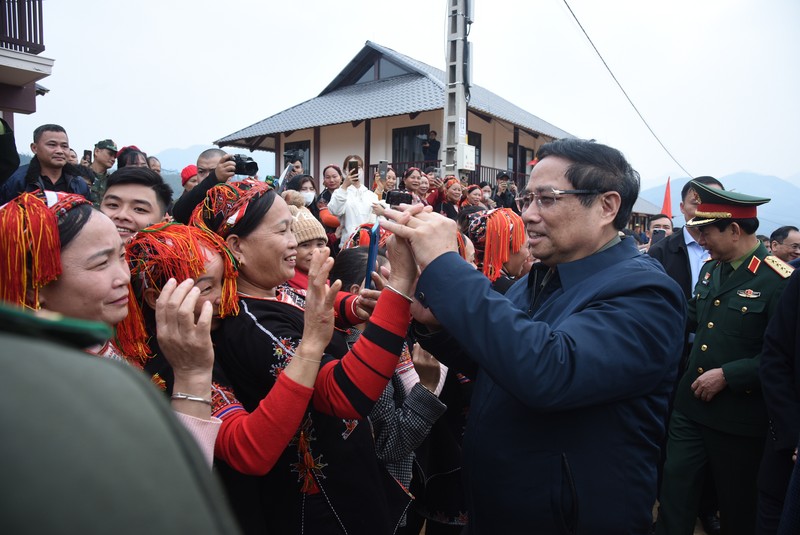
(505,233)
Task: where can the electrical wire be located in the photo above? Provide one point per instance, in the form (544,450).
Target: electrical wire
(624,92)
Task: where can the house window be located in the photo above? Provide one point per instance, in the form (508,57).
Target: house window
(474,139)
(407,146)
(295,146)
(522,157)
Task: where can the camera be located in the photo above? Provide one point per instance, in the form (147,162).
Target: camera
(397,197)
(245,165)
(291,156)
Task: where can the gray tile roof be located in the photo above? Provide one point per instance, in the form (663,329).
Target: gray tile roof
(420,90)
(643,206)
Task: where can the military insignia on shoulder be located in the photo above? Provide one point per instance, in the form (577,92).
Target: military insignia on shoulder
(779,266)
(706,277)
(752,267)
(750,294)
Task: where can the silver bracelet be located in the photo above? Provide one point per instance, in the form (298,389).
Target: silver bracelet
(398,292)
(296,356)
(187,397)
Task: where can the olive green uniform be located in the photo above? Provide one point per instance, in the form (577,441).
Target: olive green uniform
(729,313)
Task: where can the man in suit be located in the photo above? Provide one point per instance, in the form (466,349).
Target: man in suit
(719,419)
(576,361)
(780,375)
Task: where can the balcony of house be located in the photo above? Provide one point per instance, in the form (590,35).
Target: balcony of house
(21,40)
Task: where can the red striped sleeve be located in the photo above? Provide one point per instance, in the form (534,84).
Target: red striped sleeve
(349,388)
(252,443)
(345,310)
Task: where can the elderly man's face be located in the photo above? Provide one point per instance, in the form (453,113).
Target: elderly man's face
(789,249)
(566,230)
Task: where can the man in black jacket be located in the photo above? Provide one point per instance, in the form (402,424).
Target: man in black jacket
(48,170)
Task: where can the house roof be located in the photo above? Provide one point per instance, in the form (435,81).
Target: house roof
(420,89)
(643,206)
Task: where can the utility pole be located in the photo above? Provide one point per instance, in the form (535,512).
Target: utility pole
(458,156)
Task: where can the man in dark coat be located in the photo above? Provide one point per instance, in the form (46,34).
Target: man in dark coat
(576,361)
(719,419)
(48,169)
(780,375)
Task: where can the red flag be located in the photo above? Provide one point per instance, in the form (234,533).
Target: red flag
(666,208)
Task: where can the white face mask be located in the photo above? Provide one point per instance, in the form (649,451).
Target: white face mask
(485,196)
(308,197)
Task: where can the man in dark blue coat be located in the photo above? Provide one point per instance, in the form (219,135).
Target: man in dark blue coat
(576,362)
(48,170)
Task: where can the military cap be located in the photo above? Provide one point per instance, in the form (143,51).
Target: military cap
(106,144)
(716,204)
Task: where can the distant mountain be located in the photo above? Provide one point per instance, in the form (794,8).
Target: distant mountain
(781,210)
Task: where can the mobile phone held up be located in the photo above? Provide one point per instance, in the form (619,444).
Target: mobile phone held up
(383,168)
(352,165)
(657,235)
(372,255)
(87,155)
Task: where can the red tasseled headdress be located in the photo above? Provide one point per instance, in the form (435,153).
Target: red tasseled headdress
(171,250)
(30,245)
(225,204)
(495,234)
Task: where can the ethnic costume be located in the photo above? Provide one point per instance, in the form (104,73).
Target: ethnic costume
(328,480)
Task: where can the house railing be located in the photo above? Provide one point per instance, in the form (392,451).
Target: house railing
(21,26)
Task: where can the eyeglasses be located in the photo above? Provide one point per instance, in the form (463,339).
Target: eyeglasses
(545,200)
(792,246)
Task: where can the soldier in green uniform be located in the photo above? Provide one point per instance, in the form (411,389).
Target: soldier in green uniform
(719,417)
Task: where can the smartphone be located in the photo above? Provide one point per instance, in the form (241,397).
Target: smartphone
(352,165)
(87,155)
(372,255)
(657,235)
(383,168)
(396,198)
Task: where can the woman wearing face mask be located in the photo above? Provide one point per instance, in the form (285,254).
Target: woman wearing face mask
(306,185)
(486,191)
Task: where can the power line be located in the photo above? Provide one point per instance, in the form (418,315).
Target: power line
(624,92)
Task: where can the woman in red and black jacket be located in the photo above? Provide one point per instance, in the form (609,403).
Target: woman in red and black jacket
(328,480)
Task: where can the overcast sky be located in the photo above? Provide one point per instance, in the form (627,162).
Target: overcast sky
(717,80)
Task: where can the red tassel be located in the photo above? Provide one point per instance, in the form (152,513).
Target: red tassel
(31,249)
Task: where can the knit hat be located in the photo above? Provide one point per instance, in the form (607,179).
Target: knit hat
(188,172)
(305,226)
(494,233)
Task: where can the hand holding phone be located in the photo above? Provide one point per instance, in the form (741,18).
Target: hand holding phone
(372,255)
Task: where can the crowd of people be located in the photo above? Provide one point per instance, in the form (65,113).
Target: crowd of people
(511,363)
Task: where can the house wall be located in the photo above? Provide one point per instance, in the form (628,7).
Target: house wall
(339,140)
